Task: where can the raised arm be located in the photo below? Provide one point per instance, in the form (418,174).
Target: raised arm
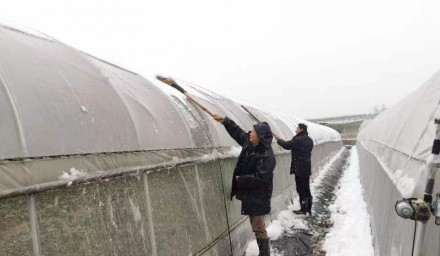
(233,129)
(296,143)
(289,145)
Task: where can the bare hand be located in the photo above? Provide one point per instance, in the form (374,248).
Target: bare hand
(276,136)
(218,118)
(167,80)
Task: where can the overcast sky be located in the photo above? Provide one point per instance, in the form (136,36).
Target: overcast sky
(306,58)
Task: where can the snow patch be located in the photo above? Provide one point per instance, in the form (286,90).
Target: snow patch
(71,175)
(233,151)
(175,159)
(350,233)
(404,183)
(209,157)
(252,249)
(322,173)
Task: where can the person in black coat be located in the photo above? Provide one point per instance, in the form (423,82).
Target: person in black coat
(301,146)
(252,180)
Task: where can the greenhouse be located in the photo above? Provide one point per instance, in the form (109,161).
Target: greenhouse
(394,150)
(98,160)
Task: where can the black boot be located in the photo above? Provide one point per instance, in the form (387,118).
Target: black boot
(303,210)
(263,245)
(309,205)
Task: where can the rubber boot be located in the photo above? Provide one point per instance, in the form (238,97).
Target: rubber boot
(263,245)
(303,210)
(309,205)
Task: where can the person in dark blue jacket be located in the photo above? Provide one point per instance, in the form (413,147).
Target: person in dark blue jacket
(301,146)
(252,180)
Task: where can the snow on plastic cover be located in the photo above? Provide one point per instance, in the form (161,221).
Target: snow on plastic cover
(15,27)
(70,103)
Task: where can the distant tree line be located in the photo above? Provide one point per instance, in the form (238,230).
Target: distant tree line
(346,128)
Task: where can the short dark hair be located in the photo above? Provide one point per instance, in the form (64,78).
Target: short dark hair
(302,126)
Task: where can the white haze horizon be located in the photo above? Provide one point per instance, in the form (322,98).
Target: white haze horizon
(309,59)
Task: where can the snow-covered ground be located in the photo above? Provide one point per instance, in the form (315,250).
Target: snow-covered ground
(350,234)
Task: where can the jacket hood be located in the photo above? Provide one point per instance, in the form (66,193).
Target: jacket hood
(264,133)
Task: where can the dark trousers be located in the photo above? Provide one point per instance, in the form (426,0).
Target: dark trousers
(303,186)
